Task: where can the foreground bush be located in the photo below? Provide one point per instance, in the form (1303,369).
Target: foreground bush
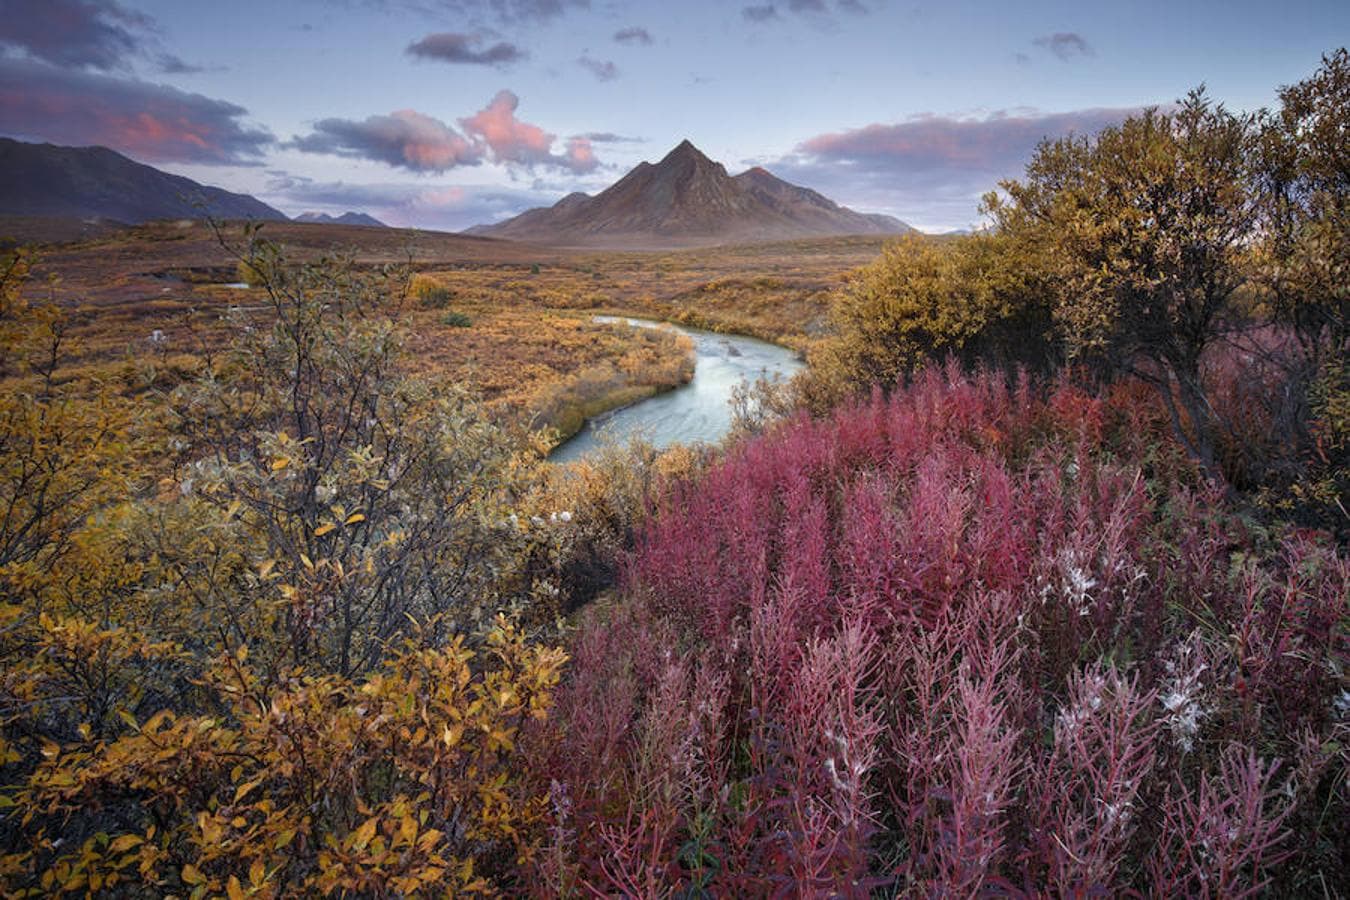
(265,631)
(966,639)
(402,782)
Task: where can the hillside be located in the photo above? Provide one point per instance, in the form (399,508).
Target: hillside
(347,218)
(687,199)
(94,182)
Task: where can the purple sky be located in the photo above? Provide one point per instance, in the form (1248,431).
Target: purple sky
(446,113)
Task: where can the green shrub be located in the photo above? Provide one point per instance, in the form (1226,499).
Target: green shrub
(456,319)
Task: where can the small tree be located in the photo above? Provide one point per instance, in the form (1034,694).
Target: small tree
(1146,226)
(355,498)
(1305,180)
(977,299)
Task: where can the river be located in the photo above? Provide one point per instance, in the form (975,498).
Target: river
(697,411)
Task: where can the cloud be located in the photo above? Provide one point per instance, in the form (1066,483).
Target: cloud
(514,10)
(633,35)
(512,141)
(466,49)
(101,35)
(609,137)
(933,168)
(95,34)
(1065,44)
(764,13)
(411,140)
(410,204)
(151,122)
(405,139)
(603,70)
(170,64)
(509,12)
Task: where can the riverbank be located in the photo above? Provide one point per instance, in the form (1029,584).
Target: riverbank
(662,360)
(698,411)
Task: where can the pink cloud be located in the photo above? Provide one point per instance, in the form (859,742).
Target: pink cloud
(1001,141)
(580,156)
(511,140)
(412,140)
(153,123)
(404,138)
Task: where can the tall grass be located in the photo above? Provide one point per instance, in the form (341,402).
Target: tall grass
(970,638)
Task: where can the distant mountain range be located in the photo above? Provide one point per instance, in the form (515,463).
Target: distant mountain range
(95,182)
(689,200)
(347,218)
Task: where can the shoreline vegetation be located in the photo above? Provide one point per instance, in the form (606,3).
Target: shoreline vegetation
(511,321)
(1035,581)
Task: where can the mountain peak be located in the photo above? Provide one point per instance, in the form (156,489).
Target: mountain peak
(688,199)
(685,149)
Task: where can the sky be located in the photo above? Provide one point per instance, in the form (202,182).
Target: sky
(448,113)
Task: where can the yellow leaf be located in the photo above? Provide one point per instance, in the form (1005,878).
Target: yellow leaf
(452,734)
(234,889)
(125,842)
(192,876)
(309,563)
(280,463)
(243,790)
(354,518)
(324,529)
(362,835)
(256,872)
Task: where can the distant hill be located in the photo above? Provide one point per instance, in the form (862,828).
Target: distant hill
(688,200)
(347,218)
(95,182)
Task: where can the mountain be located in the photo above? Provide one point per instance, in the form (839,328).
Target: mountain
(688,200)
(95,182)
(347,218)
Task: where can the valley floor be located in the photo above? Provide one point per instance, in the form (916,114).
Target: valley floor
(530,348)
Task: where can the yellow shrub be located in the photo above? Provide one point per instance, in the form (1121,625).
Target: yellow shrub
(402,782)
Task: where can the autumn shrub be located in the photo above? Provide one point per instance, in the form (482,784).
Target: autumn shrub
(973,637)
(398,783)
(429,292)
(977,299)
(248,273)
(269,630)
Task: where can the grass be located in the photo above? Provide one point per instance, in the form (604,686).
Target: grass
(513,320)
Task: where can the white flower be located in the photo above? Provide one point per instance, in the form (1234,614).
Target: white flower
(1181,694)
(1076,581)
(565,516)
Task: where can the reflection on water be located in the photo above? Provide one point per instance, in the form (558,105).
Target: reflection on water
(697,411)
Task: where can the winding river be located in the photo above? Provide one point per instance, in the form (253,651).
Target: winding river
(697,411)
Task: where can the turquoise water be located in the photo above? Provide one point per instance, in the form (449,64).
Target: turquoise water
(697,411)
